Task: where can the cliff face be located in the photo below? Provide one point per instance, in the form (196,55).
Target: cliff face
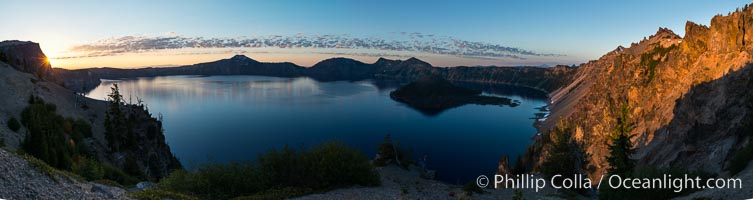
(26,57)
(664,79)
(711,121)
(152,154)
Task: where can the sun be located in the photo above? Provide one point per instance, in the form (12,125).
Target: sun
(50,61)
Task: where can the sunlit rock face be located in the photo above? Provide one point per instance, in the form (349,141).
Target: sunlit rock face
(26,57)
(665,78)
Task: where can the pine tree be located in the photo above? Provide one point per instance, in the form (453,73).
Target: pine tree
(621,148)
(114,119)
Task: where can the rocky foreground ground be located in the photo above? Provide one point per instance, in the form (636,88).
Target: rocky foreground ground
(19,179)
(403,184)
(22,179)
(398,183)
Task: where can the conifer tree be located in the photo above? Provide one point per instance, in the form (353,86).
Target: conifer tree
(114,118)
(621,148)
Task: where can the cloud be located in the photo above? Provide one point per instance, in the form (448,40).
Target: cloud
(409,42)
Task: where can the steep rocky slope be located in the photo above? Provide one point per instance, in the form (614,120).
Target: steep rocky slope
(687,96)
(21,180)
(711,121)
(152,155)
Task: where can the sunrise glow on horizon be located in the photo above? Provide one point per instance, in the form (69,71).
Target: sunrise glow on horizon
(481,33)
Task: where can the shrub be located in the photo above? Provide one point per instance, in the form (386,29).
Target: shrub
(13,124)
(117,175)
(40,165)
(108,182)
(89,169)
(47,137)
(60,143)
(518,195)
(277,173)
(389,152)
(213,181)
(335,165)
(648,60)
(741,158)
(471,188)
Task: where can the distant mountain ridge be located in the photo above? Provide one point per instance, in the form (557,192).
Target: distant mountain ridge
(334,69)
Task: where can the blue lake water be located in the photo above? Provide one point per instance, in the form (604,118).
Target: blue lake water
(226,118)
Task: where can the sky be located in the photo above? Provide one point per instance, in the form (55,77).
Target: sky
(126,34)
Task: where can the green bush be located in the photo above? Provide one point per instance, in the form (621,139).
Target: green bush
(13,124)
(117,175)
(89,169)
(649,61)
(60,143)
(214,181)
(321,168)
(391,152)
(471,187)
(40,165)
(108,182)
(518,195)
(52,138)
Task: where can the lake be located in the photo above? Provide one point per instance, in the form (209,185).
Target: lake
(234,118)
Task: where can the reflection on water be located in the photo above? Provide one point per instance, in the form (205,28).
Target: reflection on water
(225,118)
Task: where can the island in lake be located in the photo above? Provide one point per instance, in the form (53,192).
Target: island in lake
(432,95)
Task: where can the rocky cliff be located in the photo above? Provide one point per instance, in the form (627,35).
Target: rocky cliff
(26,57)
(686,96)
